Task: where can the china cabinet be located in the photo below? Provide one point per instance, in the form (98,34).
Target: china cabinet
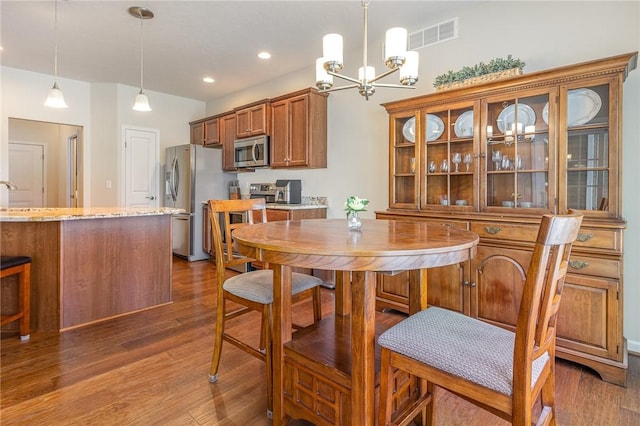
(493,158)
(299,130)
(252,120)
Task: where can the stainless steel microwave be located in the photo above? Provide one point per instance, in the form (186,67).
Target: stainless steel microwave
(251,152)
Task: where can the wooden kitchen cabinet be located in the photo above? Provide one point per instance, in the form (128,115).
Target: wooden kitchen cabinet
(206,132)
(212,132)
(197,132)
(252,120)
(299,130)
(227,124)
(545,142)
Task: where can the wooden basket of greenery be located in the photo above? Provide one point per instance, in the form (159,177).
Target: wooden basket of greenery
(496,69)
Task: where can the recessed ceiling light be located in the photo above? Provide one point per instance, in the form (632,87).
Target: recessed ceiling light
(264,55)
(208,80)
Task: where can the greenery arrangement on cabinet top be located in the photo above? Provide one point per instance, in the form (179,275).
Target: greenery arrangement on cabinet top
(495,65)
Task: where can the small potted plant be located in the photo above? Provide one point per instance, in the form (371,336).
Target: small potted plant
(480,73)
(353,206)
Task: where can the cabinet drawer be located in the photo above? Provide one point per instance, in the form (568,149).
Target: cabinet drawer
(505,231)
(598,267)
(610,239)
(460,224)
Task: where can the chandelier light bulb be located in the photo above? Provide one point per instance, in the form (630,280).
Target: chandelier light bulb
(395,46)
(369,75)
(323,79)
(409,71)
(332,51)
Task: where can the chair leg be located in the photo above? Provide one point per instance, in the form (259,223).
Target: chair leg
(268,356)
(548,398)
(386,387)
(217,345)
(25,303)
(317,304)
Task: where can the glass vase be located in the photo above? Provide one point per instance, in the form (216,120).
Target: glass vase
(353,221)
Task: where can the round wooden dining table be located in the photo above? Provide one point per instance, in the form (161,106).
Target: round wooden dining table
(356,256)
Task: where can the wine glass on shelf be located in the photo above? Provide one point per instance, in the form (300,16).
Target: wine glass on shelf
(496,157)
(467,160)
(456,159)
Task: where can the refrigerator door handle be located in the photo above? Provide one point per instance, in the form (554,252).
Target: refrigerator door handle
(173,185)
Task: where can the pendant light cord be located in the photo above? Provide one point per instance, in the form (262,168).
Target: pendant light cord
(55,43)
(141,54)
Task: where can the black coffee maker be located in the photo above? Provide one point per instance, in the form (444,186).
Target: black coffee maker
(288,191)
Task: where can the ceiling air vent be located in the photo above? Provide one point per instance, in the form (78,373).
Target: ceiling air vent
(434,34)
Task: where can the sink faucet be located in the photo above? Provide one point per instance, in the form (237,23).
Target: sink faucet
(12,186)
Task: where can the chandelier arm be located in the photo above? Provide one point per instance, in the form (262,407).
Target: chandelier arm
(334,89)
(344,77)
(384,74)
(393,85)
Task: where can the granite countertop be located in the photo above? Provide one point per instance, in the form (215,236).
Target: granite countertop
(50,214)
(277,206)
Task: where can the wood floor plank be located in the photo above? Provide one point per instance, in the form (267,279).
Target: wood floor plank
(152,368)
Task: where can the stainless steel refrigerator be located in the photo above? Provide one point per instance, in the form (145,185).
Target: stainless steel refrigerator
(193,175)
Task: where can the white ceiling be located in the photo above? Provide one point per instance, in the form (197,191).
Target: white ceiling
(99,41)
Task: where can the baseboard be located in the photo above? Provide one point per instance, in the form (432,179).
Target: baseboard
(633,347)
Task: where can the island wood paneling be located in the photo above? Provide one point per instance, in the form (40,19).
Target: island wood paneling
(40,241)
(89,270)
(114,266)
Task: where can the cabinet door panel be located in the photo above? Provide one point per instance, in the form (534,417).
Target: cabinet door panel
(445,287)
(279,140)
(299,130)
(588,316)
(500,274)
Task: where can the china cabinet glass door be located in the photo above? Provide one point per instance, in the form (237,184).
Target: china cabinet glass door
(450,158)
(586,160)
(405,131)
(518,136)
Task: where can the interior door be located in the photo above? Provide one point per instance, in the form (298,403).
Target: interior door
(26,171)
(141,168)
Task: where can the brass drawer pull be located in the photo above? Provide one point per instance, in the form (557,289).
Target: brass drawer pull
(578,264)
(584,237)
(492,229)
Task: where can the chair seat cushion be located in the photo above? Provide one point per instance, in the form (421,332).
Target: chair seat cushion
(258,285)
(460,345)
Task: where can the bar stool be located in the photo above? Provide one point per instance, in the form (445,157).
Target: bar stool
(21,266)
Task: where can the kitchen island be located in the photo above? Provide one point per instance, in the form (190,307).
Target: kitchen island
(90,264)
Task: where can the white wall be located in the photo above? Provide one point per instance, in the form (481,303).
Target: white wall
(543,34)
(102,109)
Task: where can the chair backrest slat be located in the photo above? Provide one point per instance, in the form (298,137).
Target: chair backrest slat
(537,316)
(252,211)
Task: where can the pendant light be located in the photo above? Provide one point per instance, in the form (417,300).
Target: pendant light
(142,101)
(55,99)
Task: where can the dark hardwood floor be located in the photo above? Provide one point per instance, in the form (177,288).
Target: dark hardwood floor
(151,368)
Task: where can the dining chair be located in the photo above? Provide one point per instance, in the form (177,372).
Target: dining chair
(501,371)
(252,290)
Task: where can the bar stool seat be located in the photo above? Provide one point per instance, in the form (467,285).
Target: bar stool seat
(21,266)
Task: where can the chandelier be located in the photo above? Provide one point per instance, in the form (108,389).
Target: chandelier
(397,58)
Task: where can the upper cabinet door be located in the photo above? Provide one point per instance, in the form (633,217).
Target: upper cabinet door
(589,160)
(405,134)
(450,157)
(518,152)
